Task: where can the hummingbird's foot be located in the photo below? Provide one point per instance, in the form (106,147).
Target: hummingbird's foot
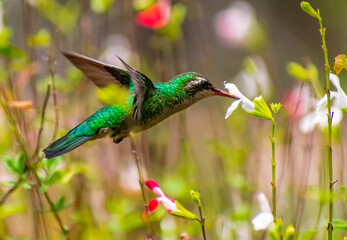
(118,140)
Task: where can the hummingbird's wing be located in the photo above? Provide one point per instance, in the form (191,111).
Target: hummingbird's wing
(100,73)
(143,89)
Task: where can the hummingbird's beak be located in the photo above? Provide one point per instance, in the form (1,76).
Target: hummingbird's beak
(223,93)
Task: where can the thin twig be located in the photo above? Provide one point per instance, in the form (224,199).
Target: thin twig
(202,223)
(8,193)
(51,204)
(139,170)
(43,112)
(55,102)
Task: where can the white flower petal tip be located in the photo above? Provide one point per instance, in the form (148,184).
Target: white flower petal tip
(263,202)
(264,219)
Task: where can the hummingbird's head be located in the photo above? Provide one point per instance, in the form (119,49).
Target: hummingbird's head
(200,87)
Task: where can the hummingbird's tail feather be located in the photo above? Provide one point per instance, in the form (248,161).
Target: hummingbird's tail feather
(65,144)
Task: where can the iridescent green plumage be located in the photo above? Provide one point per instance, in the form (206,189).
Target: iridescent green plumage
(147,105)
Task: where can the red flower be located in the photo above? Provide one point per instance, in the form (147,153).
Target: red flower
(156,16)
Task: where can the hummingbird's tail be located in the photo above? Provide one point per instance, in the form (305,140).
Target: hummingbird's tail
(65,144)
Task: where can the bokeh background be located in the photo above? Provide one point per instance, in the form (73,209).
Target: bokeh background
(249,43)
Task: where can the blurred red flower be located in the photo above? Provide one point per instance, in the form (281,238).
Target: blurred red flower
(156,16)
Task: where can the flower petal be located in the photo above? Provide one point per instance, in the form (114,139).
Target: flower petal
(264,205)
(341,98)
(232,107)
(153,204)
(168,204)
(151,184)
(232,89)
(248,105)
(308,122)
(262,220)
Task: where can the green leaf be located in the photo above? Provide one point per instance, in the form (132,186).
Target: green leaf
(142,4)
(60,204)
(261,109)
(41,39)
(21,163)
(306,7)
(173,29)
(51,164)
(27,185)
(297,71)
(43,188)
(54,178)
(10,165)
(11,51)
(340,63)
(101,6)
(340,224)
(9,183)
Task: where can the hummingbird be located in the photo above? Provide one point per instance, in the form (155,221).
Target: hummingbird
(148,103)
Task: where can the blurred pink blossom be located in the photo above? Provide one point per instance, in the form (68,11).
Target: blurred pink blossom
(297,102)
(233,25)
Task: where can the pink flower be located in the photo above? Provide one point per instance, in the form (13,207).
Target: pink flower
(156,16)
(171,206)
(167,203)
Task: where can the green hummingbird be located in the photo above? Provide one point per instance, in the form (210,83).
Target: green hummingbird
(148,104)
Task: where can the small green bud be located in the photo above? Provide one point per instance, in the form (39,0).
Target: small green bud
(261,109)
(306,7)
(289,233)
(275,107)
(195,197)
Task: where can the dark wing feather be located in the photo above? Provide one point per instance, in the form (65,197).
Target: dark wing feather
(100,73)
(143,87)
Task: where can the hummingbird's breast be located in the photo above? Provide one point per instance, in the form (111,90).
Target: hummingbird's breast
(166,101)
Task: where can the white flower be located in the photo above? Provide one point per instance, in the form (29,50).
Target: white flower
(264,218)
(339,95)
(319,115)
(246,104)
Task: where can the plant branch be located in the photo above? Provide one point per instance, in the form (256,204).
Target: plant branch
(55,102)
(11,190)
(202,222)
(43,112)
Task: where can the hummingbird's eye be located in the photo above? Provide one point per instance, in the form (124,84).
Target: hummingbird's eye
(204,84)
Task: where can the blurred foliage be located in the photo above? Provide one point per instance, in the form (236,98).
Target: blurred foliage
(94,190)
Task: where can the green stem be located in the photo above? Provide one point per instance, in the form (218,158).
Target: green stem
(202,222)
(273,164)
(330,227)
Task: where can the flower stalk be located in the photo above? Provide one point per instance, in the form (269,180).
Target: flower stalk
(322,30)
(275,108)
